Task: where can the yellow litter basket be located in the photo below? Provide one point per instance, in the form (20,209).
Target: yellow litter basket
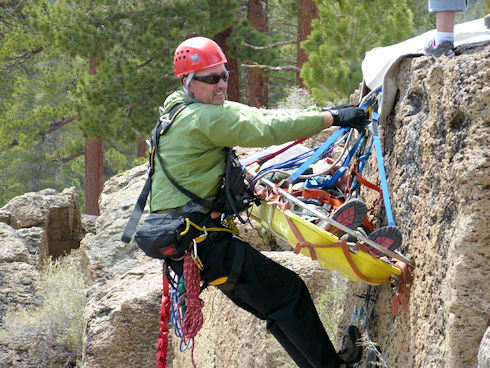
(375,270)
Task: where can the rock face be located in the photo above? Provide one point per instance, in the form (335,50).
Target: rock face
(121,319)
(57,214)
(103,254)
(437,156)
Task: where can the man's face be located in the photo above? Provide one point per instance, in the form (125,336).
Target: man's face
(214,94)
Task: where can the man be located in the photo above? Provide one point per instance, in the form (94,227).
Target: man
(192,150)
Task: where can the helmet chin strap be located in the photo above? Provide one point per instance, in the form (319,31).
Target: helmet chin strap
(186,85)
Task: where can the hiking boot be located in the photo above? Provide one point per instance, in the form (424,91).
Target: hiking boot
(388,237)
(350,353)
(350,213)
(445,48)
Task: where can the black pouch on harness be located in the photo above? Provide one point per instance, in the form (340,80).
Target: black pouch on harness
(159,235)
(235,194)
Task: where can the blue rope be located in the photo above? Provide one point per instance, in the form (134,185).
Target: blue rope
(174,318)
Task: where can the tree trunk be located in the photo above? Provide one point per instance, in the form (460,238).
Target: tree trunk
(307,11)
(94,163)
(141,148)
(232,66)
(257,87)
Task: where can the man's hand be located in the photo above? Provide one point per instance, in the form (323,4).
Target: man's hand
(349,116)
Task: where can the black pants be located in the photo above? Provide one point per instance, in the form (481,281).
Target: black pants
(272,293)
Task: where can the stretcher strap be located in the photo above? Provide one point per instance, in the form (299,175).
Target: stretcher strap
(302,243)
(369,185)
(401,296)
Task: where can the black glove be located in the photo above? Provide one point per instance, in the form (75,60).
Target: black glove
(349,116)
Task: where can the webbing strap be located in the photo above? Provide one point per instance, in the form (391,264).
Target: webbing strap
(141,202)
(317,154)
(302,243)
(236,269)
(370,186)
(329,183)
(189,223)
(137,212)
(401,296)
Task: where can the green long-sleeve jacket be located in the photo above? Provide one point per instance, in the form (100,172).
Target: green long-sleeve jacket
(192,148)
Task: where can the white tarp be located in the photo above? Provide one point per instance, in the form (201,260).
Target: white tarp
(380,65)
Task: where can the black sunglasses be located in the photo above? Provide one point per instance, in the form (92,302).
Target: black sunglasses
(213,78)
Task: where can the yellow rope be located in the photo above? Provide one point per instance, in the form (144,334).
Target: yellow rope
(188,224)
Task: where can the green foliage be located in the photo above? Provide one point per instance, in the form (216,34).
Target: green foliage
(115,161)
(55,326)
(342,34)
(326,307)
(475,9)
(423,21)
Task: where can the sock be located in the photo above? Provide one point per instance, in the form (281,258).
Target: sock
(444,36)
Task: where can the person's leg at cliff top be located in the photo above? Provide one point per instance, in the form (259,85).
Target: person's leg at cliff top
(443,42)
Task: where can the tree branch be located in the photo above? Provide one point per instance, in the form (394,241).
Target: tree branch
(24,57)
(281,43)
(289,68)
(144,64)
(64,160)
(58,124)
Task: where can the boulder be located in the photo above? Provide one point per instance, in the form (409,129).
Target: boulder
(104,255)
(121,320)
(57,213)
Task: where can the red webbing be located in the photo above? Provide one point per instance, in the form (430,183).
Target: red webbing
(302,243)
(401,296)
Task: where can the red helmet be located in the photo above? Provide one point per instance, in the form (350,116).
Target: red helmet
(195,54)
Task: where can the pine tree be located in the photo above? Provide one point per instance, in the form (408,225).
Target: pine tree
(129,47)
(342,34)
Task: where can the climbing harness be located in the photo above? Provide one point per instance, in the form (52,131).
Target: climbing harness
(234,196)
